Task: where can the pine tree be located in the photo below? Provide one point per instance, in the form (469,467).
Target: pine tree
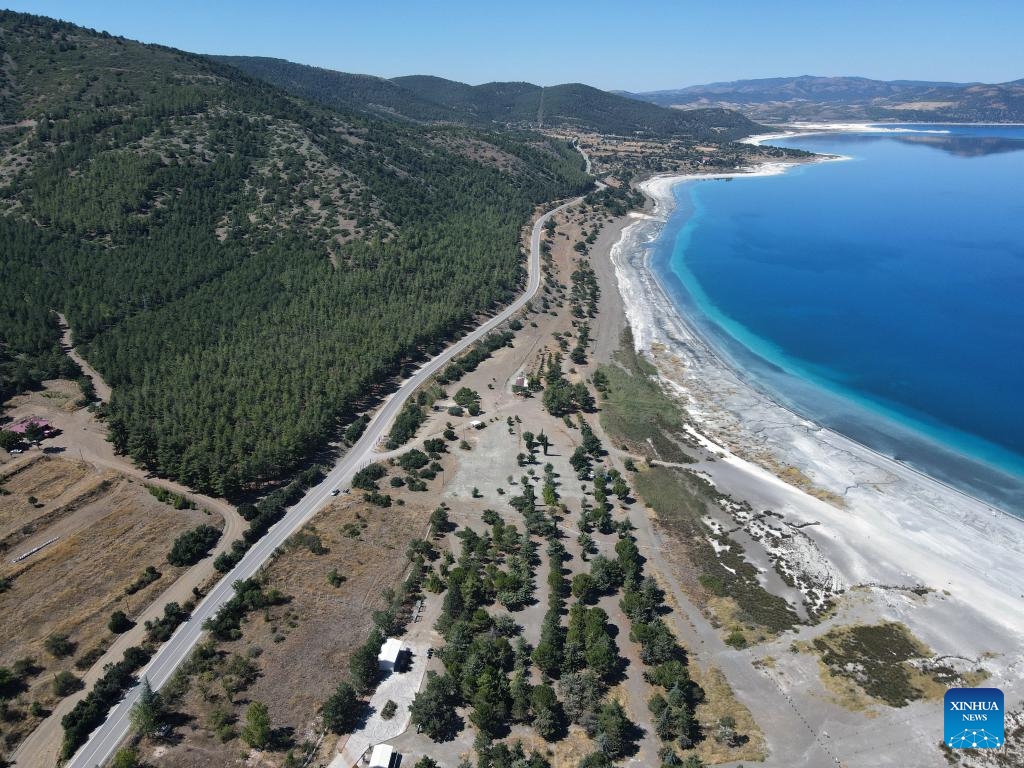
(148,712)
(257,732)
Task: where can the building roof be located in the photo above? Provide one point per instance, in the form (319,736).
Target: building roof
(390,650)
(21,425)
(381,756)
(476,423)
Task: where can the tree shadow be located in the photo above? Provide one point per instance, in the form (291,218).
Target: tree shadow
(282,739)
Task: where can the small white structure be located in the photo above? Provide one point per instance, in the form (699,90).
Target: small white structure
(382,756)
(476,424)
(389,654)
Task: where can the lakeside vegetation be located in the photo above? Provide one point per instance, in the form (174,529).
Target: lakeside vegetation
(637,413)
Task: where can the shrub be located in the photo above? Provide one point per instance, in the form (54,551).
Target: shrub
(341,712)
(736,639)
(413,460)
(367,477)
(378,499)
(433,708)
(192,546)
(119,622)
(257,732)
(59,645)
(11,684)
(148,576)
(405,426)
(126,757)
(92,710)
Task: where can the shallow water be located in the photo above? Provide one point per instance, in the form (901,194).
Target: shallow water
(881,296)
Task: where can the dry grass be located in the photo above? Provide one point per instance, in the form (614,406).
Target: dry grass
(113,529)
(568,752)
(40,476)
(302,647)
(721,701)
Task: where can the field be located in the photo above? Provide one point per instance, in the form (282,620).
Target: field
(110,528)
(299,649)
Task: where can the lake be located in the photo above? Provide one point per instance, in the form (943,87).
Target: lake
(882,296)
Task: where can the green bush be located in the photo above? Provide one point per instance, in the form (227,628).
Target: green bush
(59,646)
(192,546)
(119,622)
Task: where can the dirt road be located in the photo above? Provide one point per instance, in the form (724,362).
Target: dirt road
(101,386)
(83,437)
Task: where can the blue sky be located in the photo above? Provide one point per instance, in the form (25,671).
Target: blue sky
(614,45)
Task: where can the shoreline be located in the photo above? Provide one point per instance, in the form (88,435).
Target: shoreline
(897,525)
(818,129)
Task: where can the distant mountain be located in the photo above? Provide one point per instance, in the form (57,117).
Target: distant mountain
(424,98)
(783,99)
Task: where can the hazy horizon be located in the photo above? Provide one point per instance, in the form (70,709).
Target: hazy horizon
(696,44)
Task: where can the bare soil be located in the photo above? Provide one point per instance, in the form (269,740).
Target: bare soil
(302,648)
(110,527)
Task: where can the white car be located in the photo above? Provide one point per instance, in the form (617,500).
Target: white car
(335,492)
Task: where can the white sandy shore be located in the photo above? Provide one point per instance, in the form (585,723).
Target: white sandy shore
(809,129)
(895,527)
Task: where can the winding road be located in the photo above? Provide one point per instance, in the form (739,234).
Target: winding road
(105,739)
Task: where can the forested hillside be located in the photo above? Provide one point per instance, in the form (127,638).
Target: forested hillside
(426,98)
(341,89)
(239,264)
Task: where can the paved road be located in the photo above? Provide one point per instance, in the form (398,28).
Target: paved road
(104,741)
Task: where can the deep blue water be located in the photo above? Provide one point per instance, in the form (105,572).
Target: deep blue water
(882,296)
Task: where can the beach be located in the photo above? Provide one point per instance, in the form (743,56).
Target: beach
(856,528)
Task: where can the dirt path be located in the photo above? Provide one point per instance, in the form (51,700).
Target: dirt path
(98,383)
(610,322)
(83,437)
(633,689)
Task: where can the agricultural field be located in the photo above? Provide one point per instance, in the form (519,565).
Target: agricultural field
(104,529)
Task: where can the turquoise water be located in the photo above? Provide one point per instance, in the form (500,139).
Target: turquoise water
(882,296)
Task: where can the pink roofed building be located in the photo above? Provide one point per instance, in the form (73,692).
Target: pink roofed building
(21,426)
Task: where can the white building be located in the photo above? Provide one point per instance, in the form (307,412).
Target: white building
(476,424)
(382,756)
(389,654)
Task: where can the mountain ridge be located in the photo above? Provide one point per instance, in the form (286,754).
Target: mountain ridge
(428,98)
(810,97)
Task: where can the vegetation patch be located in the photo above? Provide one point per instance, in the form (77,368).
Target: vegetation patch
(681,501)
(192,546)
(197,214)
(888,664)
(635,409)
(719,704)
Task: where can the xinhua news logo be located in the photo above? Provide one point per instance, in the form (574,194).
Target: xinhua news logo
(974,718)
